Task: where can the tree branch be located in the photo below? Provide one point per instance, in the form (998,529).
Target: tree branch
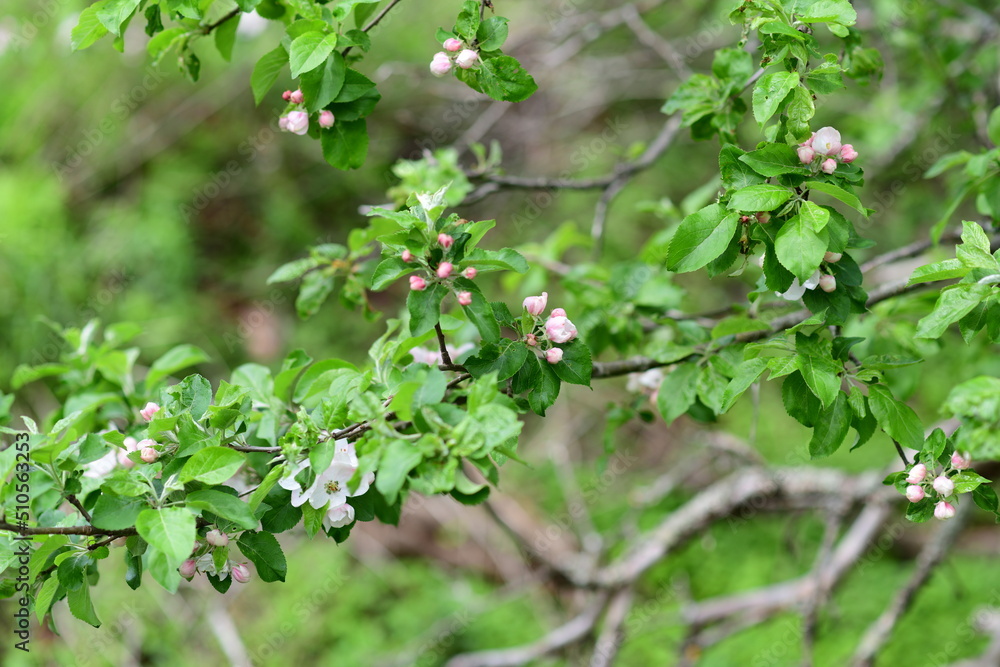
(65,530)
(374,22)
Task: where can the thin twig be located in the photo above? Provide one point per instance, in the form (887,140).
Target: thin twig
(374,22)
(212,26)
(75,502)
(445,357)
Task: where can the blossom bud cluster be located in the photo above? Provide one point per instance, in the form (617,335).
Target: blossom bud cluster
(444,270)
(556,330)
(921,483)
(444,61)
(296,121)
(825,148)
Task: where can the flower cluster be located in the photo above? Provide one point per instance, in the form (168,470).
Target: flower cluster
(824,281)
(556,330)
(921,483)
(824,148)
(444,269)
(444,61)
(297,119)
(329,490)
(149,450)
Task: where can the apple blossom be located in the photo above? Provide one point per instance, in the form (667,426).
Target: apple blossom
(326,118)
(554,355)
(944,486)
(470,272)
(917,474)
(534,305)
(406,256)
(331,485)
(445,240)
(417,284)
(848,154)
(797,289)
(959,462)
(466,58)
(944,510)
(188,568)
(826,141)
(337,517)
(832,257)
(287,95)
(557,312)
(829,166)
(827,283)
(131,445)
(809,142)
(531,340)
(149,455)
(241,573)
(452,44)
(102,466)
(440,64)
(560,330)
(444,269)
(283,123)
(297,122)
(296,97)
(914,493)
(217,538)
(806,154)
(465,298)
(150,410)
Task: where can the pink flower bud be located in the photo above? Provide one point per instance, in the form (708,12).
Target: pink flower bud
(848,154)
(465,298)
(406,256)
(287,95)
(217,538)
(150,410)
(441,64)
(914,493)
(959,462)
(445,240)
(534,305)
(467,59)
(560,330)
(188,568)
(131,444)
(241,573)
(531,340)
(827,283)
(554,355)
(832,257)
(826,141)
(452,44)
(295,97)
(149,455)
(944,510)
(809,142)
(297,122)
(326,118)
(806,154)
(557,312)
(944,486)
(417,283)
(444,269)
(470,272)
(917,474)
(283,123)
(763,217)
(829,166)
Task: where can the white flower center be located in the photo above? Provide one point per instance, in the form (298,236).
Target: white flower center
(332,487)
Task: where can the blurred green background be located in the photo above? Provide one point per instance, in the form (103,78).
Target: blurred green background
(128,193)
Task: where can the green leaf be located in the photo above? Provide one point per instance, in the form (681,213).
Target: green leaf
(88,28)
(968,480)
(505,259)
(974,251)
(546,389)
(467,24)
(265,487)
(492,33)
(424,307)
(505,358)
(701,237)
(294,270)
(82,607)
(479,312)
(398,459)
(820,375)
(179,357)
(678,391)
(770,91)
(954,303)
(837,193)
(944,270)
(897,419)
(831,428)
(345,145)
(389,270)
(759,198)
(313,292)
(799,248)
(503,79)
(735,173)
(993,127)
(775,160)
(225,37)
(321,85)
(814,216)
(212,465)
(265,553)
(266,72)
(828,11)
(224,505)
(46,597)
(746,375)
(114,512)
(114,13)
(309,50)
(576,365)
(169,530)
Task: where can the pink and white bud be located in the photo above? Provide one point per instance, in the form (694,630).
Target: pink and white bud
(944,485)
(452,44)
(531,340)
(560,330)
(554,355)
(944,510)
(848,154)
(296,97)
(287,95)
(216,538)
(188,568)
(470,272)
(809,142)
(806,154)
(406,256)
(283,123)
(150,410)
(441,64)
(326,118)
(959,462)
(826,141)
(149,455)
(466,58)
(557,312)
(445,240)
(297,123)
(241,573)
(534,305)
(417,284)
(827,283)
(915,493)
(444,269)
(832,257)
(918,473)
(829,166)
(465,298)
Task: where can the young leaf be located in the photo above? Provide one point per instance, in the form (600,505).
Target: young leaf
(678,391)
(212,465)
(897,419)
(759,198)
(770,91)
(309,50)
(169,530)
(701,237)
(265,553)
(799,248)
(831,428)
(425,308)
(266,71)
(398,459)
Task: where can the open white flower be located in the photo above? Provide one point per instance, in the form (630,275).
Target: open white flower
(331,485)
(796,290)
